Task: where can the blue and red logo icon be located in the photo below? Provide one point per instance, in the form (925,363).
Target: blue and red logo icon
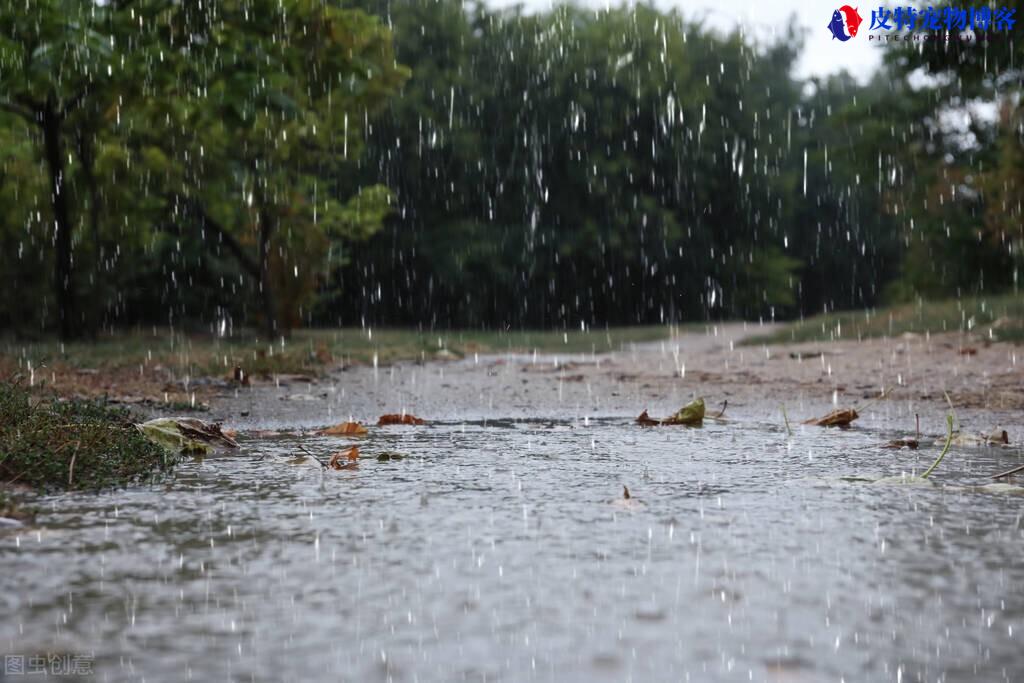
(845,23)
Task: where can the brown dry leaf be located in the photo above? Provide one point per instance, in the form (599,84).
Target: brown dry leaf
(205,431)
(837,418)
(349,454)
(646,420)
(968,351)
(690,415)
(395,419)
(344,429)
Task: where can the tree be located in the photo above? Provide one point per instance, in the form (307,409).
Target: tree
(56,60)
(260,148)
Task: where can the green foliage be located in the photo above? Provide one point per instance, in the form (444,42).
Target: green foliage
(272,162)
(618,166)
(52,444)
(198,144)
(960,201)
(1000,318)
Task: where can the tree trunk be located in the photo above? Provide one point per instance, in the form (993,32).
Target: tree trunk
(270,322)
(88,158)
(50,122)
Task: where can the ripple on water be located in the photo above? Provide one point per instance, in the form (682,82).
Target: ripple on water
(503,550)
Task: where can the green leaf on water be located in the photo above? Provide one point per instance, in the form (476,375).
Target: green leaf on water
(185,435)
(691,414)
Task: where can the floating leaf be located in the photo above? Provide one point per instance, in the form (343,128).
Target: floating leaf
(349,454)
(185,434)
(998,437)
(344,429)
(837,418)
(395,419)
(646,420)
(692,415)
(386,457)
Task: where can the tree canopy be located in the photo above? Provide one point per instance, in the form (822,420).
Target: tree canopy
(301,162)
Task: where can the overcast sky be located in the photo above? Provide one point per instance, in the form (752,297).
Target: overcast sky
(821,55)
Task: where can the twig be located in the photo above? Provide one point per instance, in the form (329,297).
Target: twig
(71,467)
(789,432)
(945,449)
(318,460)
(917,428)
(720,412)
(882,395)
(1008,473)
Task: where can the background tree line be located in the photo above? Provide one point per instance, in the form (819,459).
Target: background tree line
(247,162)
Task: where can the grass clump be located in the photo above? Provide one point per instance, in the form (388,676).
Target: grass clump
(53,444)
(999,318)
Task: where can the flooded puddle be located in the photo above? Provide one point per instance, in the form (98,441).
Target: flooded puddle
(504,550)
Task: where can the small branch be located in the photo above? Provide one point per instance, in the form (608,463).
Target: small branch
(310,454)
(1008,473)
(247,262)
(882,395)
(75,100)
(18,109)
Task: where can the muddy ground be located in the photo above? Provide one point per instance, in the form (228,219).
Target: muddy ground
(985,383)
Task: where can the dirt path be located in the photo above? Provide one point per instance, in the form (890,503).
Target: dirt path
(985,382)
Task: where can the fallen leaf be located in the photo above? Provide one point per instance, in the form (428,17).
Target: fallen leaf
(185,434)
(691,415)
(386,457)
(344,429)
(350,454)
(837,418)
(395,419)
(625,493)
(999,437)
(968,351)
(646,420)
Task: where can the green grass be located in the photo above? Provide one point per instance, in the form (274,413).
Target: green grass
(999,318)
(304,351)
(54,444)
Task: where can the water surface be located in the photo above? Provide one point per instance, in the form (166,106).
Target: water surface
(504,550)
